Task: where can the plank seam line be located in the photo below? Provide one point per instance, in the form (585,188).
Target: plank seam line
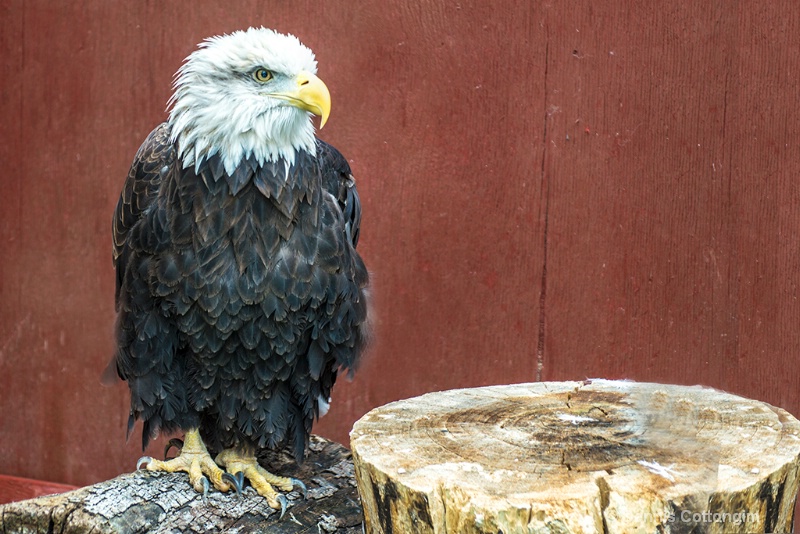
(546,189)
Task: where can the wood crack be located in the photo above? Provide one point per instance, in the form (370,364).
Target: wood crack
(546,194)
(605,491)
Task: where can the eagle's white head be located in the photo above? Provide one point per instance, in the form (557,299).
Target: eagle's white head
(247,94)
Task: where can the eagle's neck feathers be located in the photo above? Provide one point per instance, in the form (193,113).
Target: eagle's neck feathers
(202,130)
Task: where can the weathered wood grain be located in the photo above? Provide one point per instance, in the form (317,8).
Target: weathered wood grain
(578,457)
(143,502)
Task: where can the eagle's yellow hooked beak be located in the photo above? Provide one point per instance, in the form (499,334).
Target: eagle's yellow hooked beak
(311,95)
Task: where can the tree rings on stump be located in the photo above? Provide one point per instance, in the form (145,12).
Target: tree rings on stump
(578,457)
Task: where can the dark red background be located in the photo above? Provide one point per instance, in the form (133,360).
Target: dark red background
(551,190)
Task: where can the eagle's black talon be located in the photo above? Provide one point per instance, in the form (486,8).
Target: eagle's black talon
(144,460)
(281,498)
(236,481)
(174,442)
(299,484)
(206,487)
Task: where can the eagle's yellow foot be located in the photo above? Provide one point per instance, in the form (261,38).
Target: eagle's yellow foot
(245,465)
(194,460)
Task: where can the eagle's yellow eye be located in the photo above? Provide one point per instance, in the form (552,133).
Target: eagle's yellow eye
(262,75)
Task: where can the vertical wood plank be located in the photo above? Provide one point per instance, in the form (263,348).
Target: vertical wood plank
(672,247)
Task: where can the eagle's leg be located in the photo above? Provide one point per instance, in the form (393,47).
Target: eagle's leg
(244,461)
(194,460)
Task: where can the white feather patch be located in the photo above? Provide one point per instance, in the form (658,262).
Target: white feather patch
(324,405)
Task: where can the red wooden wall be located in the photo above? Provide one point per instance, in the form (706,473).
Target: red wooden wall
(552,191)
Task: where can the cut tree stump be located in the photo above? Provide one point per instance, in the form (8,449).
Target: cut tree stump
(579,457)
(162,502)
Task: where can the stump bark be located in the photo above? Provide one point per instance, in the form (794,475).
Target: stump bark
(162,502)
(595,456)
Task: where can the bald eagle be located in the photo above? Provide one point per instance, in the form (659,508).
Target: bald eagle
(240,295)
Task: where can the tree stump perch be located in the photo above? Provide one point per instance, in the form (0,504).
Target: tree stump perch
(145,501)
(592,457)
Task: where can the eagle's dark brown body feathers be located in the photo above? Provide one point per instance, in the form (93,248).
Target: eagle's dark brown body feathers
(240,296)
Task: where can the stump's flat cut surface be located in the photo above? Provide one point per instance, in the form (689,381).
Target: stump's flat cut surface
(581,457)
(165,502)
